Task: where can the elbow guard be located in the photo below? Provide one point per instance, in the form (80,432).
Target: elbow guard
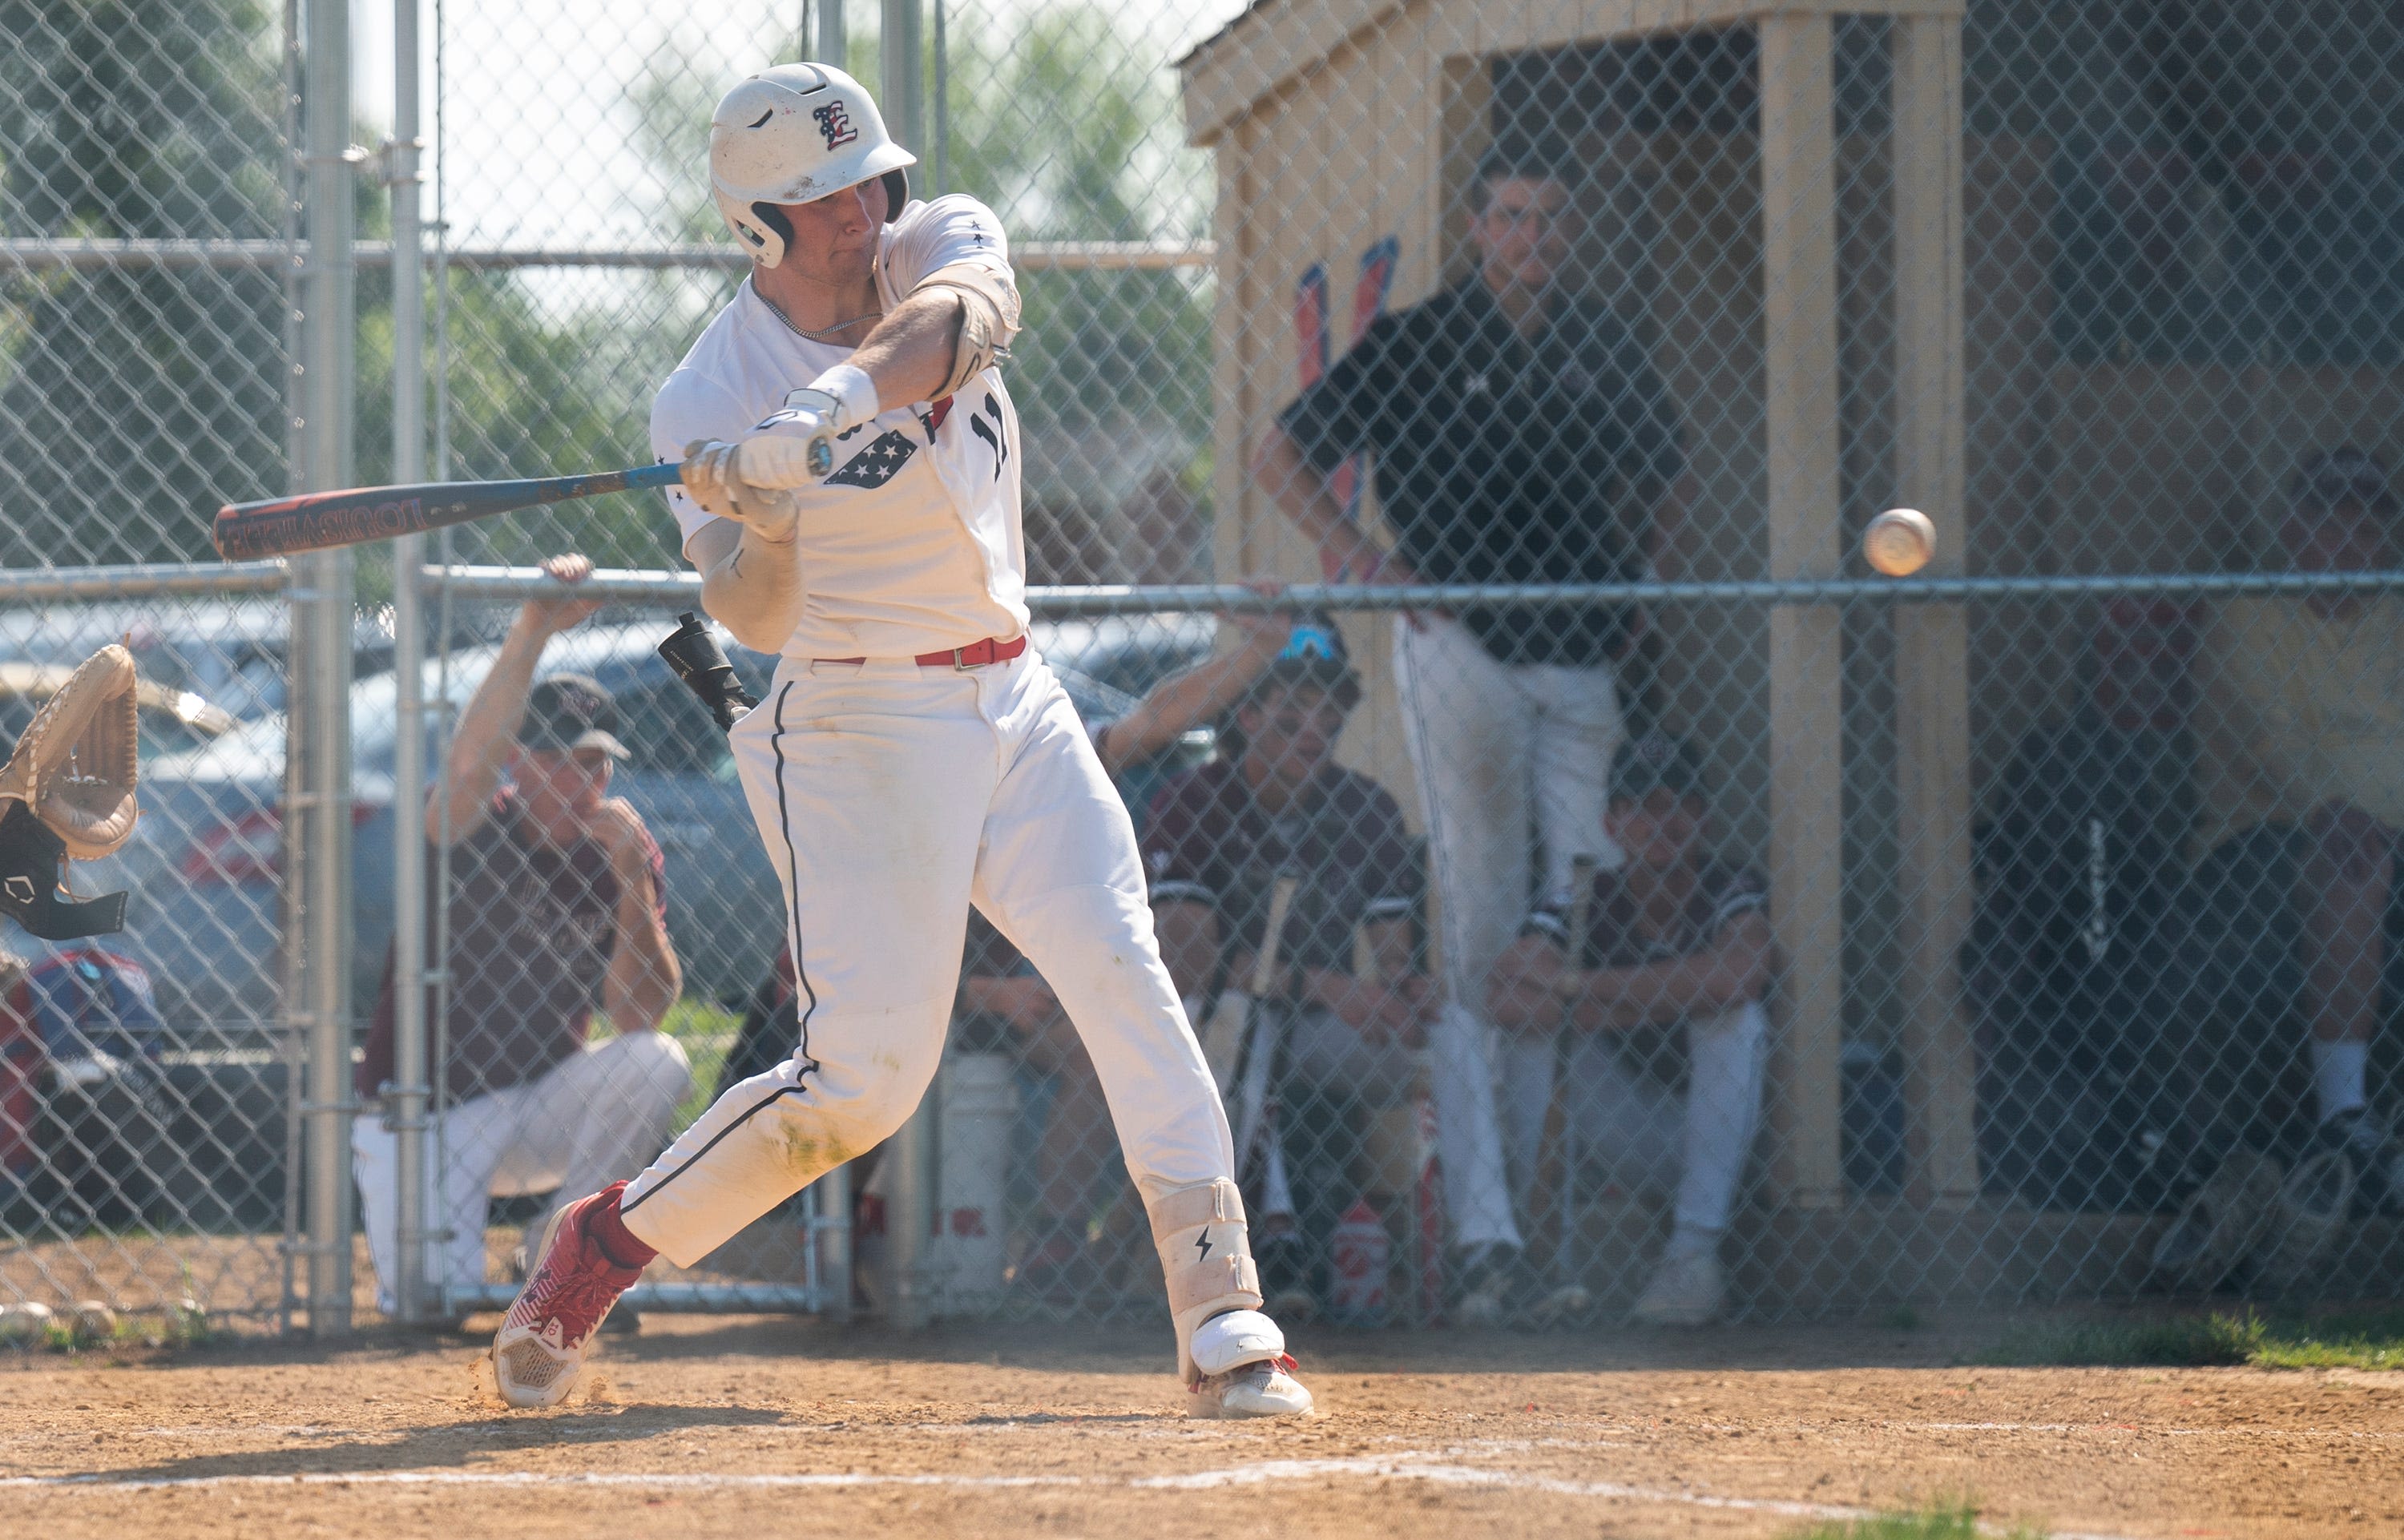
(988,318)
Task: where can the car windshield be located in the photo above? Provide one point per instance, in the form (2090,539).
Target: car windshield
(159,731)
(652,707)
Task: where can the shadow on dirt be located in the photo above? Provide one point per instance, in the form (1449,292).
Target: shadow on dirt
(452,1445)
(1903,1340)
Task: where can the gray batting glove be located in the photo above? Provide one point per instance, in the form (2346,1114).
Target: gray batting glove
(712,473)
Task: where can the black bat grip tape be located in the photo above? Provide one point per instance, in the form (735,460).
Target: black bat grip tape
(693,652)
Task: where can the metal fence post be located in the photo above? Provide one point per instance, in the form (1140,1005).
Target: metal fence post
(831,49)
(900,52)
(320,745)
(913,1154)
(409,1091)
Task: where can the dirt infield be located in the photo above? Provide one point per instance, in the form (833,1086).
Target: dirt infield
(751,1427)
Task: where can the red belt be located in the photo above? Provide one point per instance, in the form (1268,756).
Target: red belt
(974,656)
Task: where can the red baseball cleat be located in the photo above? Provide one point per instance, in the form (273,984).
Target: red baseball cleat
(542,1342)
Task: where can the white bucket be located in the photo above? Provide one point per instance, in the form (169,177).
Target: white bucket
(967,1257)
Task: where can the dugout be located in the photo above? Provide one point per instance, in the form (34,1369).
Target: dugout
(2086,299)
(1336,125)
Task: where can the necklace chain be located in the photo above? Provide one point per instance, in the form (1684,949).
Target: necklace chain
(803,331)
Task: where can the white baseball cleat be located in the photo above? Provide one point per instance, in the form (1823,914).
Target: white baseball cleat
(544,1339)
(1246,1371)
(1685,1291)
(1264,1389)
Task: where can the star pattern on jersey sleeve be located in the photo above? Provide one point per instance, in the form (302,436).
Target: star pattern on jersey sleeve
(877,461)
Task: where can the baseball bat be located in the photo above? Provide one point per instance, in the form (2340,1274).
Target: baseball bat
(1558,1164)
(321,521)
(1257,1039)
(1231,1020)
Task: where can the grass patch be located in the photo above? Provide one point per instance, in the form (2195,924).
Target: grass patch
(2171,1341)
(2371,1339)
(708,1031)
(2361,1340)
(1939,1523)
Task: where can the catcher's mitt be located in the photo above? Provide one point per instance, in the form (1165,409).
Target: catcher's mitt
(67,792)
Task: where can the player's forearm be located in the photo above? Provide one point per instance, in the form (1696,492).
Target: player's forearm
(1520,1004)
(911,352)
(1185,701)
(1390,945)
(1302,494)
(644,977)
(751,583)
(488,728)
(1659,993)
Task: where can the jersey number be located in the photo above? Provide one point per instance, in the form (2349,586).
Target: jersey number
(995,435)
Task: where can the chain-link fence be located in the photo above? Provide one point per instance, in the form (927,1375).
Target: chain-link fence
(147,229)
(1688,920)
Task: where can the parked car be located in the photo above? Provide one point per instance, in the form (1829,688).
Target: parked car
(206,861)
(167,719)
(232,651)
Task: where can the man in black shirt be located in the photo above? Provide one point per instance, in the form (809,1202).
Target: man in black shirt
(1518,436)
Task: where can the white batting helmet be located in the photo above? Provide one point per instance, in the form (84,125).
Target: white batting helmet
(793,134)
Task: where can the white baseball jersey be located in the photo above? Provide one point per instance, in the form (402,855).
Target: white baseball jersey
(892,797)
(913,543)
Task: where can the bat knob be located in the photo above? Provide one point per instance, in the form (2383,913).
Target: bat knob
(821,457)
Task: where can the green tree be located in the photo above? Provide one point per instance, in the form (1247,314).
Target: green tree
(1060,122)
(1072,133)
(132,402)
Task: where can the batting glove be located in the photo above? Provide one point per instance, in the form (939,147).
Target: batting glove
(713,477)
(794,445)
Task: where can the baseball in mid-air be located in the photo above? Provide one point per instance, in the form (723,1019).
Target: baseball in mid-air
(1899,541)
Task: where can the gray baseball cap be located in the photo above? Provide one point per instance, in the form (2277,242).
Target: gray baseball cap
(570,712)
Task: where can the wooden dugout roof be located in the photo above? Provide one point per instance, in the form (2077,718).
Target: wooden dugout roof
(1276,42)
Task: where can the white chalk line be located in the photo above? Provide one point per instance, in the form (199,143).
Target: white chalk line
(2132,1427)
(1406,1467)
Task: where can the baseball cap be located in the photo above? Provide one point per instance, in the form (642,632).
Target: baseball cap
(570,712)
(1652,762)
(1314,655)
(2345,474)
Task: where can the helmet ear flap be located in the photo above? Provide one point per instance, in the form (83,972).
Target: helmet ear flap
(897,192)
(772,217)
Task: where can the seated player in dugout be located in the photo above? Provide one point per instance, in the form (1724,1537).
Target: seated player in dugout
(1676,943)
(1345,1046)
(558,915)
(2302,710)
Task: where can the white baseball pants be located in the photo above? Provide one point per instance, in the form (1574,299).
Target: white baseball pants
(1637,1134)
(892,797)
(582,1125)
(1488,741)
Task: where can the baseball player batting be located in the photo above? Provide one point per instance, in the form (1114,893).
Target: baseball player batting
(850,494)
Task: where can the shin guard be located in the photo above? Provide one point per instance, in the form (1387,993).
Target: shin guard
(1206,1252)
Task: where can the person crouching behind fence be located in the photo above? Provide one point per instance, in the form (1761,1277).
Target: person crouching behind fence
(558,905)
(1676,944)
